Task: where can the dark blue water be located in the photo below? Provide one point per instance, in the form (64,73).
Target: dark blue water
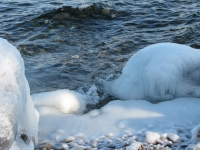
(71,44)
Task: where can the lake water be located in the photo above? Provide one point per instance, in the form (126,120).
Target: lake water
(71,44)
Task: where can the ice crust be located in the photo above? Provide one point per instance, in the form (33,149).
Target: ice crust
(159,72)
(124,120)
(118,116)
(17,113)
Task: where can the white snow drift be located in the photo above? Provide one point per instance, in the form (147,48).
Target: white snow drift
(17,113)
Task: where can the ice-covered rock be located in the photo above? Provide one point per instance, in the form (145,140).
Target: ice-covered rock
(173,137)
(64,101)
(152,137)
(134,146)
(17,113)
(159,72)
(22,142)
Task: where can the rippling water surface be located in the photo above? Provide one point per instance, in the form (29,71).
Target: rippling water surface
(71,43)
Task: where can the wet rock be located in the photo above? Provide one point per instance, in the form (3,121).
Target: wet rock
(169,144)
(64,146)
(62,16)
(70,139)
(47,147)
(105,11)
(112,146)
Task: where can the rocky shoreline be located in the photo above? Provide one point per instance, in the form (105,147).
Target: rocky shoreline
(179,139)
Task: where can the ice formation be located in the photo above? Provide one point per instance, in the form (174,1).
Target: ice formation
(17,113)
(160,72)
(156,73)
(22,142)
(64,101)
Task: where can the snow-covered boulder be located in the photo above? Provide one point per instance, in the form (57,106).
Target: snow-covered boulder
(63,101)
(159,72)
(17,113)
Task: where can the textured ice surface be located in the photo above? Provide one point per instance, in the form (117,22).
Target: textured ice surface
(17,113)
(160,72)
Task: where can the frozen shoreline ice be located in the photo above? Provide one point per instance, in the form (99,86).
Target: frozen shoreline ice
(134,123)
(156,73)
(124,120)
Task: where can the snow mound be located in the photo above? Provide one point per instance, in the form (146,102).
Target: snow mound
(17,113)
(159,72)
(63,101)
